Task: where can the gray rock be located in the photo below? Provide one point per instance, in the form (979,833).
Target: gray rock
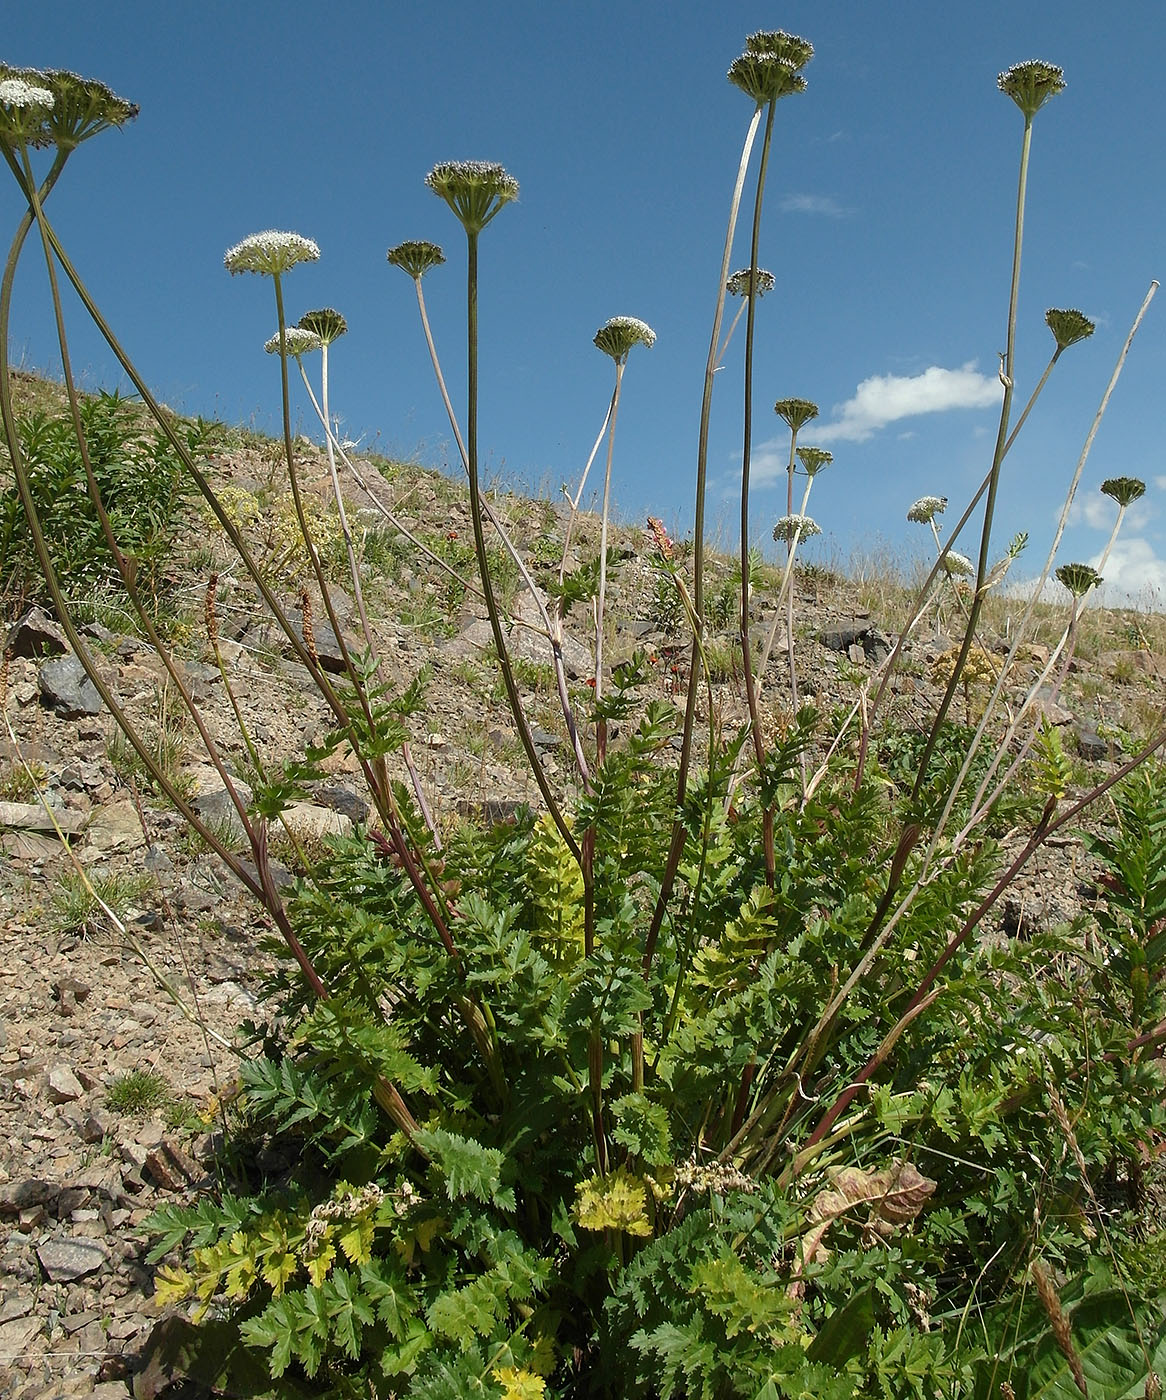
(67,690)
(281,876)
(63,1085)
(327,647)
(340,799)
(1091,746)
(219,811)
(66,1259)
(35,633)
(16,1196)
(16,1335)
(1046,706)
(846,636)
(116,828)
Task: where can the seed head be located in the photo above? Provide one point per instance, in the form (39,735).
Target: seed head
(327,325)
(618,336)
(764,77)
(1125,490)
(416,257)
(796,412)
(926,508)
(660,536)
(474,189)
(297,340)
(1031,84)
(957,565)
(1079,578)
(791,527)
(1068,327)
(270,252)
(794,51)
(813,459)
(739,284)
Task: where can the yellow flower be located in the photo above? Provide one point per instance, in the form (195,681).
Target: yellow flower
(518,1383)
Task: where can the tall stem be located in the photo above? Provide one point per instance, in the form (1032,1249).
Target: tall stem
(676,846)
(553,626)
(500,646)
(746,465)
(601,595)
(1002,442)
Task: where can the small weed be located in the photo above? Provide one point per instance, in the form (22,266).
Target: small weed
(138,1092)
(77,906)
(19,782)
(166,740)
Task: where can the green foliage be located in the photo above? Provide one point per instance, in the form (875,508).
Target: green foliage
(143,488)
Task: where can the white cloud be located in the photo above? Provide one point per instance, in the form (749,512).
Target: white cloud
(768,463)
(1160,482)
(885,398)
(1134,575)
(815,204)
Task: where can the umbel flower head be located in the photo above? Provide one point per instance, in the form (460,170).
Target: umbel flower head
(813,459)
(764,77)
(794,51)
(474,189)
(618,336)
(81,107)
(1125,490)
(925,509)
(1031,84)
(956,565)
(24,104)
(327,325)
(791,527)
(416,257)
(741,282)
(298,341)
(796,412)
(1078,578)
(270,252)
(1068,327)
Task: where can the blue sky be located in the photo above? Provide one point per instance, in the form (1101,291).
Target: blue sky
(888,224)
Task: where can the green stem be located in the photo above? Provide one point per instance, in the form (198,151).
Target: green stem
(746,464)
(377,782)
(1002,440)
(601,596)
(676,846)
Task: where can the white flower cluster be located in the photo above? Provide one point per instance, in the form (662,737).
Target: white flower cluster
(617,336)
(16,92)
(738,284)
(958,565)
(452,174)
(720,1179)
(299,341)
(270,252)
(926,508)
(790,527)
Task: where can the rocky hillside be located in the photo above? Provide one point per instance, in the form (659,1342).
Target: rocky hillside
(131,955)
